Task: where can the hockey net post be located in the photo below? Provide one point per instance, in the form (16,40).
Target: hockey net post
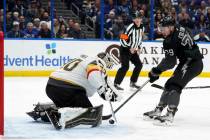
(1,83)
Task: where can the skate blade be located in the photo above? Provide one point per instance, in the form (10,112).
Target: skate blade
(133,89)
(159,123)
(147,118)
(33,115)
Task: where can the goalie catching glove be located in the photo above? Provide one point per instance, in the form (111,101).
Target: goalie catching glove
(109,93)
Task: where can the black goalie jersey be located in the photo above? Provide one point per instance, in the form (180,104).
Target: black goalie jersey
(179,44)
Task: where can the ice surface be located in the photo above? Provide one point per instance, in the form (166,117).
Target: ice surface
(192,121)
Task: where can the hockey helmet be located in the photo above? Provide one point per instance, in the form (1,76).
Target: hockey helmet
(136,14)
(110,57)
(167,21)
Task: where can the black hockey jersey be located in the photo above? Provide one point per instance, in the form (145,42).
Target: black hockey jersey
(179,44)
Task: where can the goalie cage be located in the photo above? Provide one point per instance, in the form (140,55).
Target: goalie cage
(1,83)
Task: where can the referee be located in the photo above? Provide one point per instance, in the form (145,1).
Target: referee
(130,42)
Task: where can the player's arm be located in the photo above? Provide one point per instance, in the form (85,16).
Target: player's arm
(124,37)
(170,58)
(98,79)
(167,63)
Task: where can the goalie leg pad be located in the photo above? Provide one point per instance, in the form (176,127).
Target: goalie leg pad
(71,117)
(92,116)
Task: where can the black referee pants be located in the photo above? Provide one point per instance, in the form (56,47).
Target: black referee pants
(125,57)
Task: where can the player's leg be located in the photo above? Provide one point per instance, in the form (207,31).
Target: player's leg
(75,108)
(68,97)
(174,87)
(137,69)
(62,97)
(158,109)
(124,57)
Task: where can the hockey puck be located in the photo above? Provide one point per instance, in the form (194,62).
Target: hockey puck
(111,121)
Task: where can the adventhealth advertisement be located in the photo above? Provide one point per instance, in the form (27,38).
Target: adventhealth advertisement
(33,57)
(45,55)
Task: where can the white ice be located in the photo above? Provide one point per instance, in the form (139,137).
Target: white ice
(192,121)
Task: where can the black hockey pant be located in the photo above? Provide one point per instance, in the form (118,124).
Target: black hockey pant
(182,75)
(68,97)
(125,57)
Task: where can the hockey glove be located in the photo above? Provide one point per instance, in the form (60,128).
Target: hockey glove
(154,74)
(109,93)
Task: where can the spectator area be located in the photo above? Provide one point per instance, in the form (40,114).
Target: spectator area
(81,19)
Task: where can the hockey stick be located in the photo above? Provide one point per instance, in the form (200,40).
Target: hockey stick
(112,111)
(197,87)
(131,96)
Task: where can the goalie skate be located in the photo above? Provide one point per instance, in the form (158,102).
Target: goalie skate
(34,115)
(39,111)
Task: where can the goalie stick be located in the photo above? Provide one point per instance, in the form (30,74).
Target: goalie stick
(197,87)
(131,96)
(112,111)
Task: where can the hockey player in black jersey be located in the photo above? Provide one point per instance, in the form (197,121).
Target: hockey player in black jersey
(178,44)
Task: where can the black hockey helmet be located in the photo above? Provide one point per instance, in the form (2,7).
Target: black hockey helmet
(136,14)
(110,57)
(167,21)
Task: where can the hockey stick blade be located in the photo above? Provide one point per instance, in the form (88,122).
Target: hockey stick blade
(157,86)
(131,96)
(197,87)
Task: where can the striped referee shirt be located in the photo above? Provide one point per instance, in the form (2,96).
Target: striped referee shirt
(132,37)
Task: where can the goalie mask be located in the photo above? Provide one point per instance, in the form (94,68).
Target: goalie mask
(110,57)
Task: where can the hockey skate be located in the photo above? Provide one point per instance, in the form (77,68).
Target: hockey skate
(167,119)
(117,86)
(39,111)
(153,114)
(133,86)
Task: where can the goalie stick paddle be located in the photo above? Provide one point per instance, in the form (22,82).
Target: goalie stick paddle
(197,87)
(131,96)
(112,111)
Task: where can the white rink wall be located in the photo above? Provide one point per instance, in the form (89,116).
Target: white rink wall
(40,57)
